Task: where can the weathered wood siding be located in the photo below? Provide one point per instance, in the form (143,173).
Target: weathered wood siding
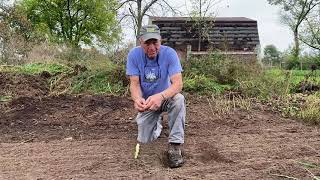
(224,33)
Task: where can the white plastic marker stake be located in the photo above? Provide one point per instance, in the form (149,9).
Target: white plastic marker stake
(137,151)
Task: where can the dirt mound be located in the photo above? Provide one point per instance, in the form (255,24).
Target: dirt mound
(22,85)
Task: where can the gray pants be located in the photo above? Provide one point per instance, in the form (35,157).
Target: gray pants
(149,122)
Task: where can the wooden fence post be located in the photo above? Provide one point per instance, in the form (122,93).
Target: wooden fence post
(188,52)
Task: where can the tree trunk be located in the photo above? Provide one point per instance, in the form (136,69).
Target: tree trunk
(199,44)
(138,30)
(296,50)
(200,25)
(139,21)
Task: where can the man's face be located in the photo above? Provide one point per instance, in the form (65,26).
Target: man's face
(151,47)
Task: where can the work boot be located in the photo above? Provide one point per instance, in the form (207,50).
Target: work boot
(175,158)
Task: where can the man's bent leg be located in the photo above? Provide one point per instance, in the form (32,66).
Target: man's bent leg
(177,115)
(149,126)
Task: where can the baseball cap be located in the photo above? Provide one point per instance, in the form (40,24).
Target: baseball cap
(150,32)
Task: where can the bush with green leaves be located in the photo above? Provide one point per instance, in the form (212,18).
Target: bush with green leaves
(220,67)
(303,62)
(96,82)
(266,85)
(112,81)
(277,82)
(203,85)
(215,73)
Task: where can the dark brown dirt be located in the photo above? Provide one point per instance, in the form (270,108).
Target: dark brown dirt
(93,137)
(22,85)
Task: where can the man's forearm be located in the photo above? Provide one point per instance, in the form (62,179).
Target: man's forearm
(175,88)
(172,90)
(135,91)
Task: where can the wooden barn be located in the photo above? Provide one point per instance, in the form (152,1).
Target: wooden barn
(233,35)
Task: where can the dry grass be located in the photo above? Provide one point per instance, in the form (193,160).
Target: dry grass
(221,105)
(310,111)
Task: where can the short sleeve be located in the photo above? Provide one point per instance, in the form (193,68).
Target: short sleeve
(174,66)
(132,68)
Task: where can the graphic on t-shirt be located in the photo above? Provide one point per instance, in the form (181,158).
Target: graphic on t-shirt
(151,74)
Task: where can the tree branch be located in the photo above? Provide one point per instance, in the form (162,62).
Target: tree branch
(123,3)
(146,8)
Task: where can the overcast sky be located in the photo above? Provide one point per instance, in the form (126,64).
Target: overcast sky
(271,31)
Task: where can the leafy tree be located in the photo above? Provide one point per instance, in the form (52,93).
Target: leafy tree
(290,62)
(75,22)
(310,59)
(15,34)
(293,14)
(271,55)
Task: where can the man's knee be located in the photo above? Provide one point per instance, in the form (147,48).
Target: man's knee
(179,99)
(143,140)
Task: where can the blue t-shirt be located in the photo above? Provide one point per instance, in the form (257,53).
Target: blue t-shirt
(154,73)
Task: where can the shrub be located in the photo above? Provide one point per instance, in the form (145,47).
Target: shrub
(112,80)
(221,68)
(266,85)
(95,83)
(119,55)
(203,85)
(310,111)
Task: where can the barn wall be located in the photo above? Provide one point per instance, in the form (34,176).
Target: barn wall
(228,34)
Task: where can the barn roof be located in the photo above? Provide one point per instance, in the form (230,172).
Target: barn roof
(216,19)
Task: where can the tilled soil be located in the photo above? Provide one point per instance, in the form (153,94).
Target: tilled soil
(94,136)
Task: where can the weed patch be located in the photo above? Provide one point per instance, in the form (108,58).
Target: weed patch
(97,82)
(203,85)
(310,111)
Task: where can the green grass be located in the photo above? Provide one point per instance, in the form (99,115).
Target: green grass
(5,98)
(106,78)
(97,83)
(307,166)
(109,78)
(265,85)
(296,76)
(279,88)
(304,72)
(36,68)
(203,85)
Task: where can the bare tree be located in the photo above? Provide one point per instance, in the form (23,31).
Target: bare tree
(310,33)
(203,16)
(136,10)
(294,14)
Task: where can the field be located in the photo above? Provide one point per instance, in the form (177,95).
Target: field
(252,112)
(86,136)
(297,76)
